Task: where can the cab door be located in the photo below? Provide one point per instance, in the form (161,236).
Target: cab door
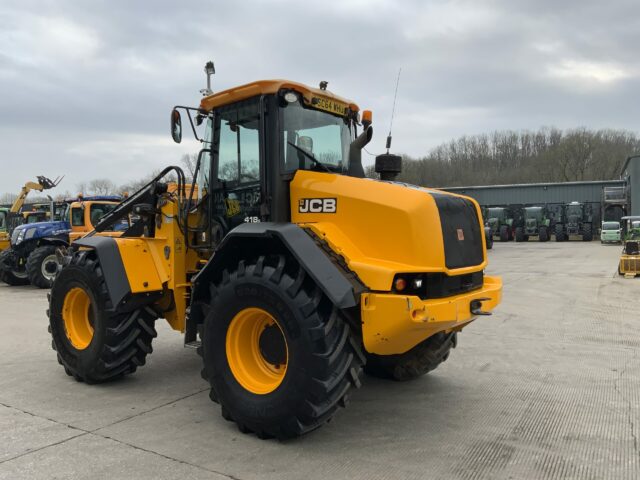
(237,179)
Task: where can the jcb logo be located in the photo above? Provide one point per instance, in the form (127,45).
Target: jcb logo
(317,205)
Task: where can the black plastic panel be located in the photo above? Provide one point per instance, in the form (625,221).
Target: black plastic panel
(461,231)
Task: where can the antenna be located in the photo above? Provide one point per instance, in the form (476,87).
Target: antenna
(393,110)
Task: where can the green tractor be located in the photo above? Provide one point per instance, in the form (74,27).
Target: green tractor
(574,218)
(535,223)
(500,221)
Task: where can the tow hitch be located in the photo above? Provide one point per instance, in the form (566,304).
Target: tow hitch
(476,306)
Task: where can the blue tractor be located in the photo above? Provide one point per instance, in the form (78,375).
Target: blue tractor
(31,257)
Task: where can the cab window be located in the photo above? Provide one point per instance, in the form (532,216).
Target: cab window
(236,127)
(203,181)
(99,210)
(323,136)
(77,217)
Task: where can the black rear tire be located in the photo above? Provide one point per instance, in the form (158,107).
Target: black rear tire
(587,232)
(504,233)
(119,343)
(42,266)
(519,234)
(9,274)
(544,234)
(559,231)
(324,359)
(418,361)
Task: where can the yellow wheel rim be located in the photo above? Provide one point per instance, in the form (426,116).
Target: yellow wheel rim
(76,316)
(257,351)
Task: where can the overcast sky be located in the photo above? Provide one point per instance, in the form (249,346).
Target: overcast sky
(86,87)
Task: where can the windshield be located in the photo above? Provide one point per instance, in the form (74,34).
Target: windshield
(533,213)
(36,217)
(325,136)
(610,226)
(99,210)
(3,220)
(574,210)
(495,213)
(60,212)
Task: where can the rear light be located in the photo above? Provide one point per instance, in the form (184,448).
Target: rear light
(400,284)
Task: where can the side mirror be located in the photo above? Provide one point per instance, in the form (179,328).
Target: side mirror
(176,126)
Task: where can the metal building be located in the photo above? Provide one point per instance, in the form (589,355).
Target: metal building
(609,199)
(631,175)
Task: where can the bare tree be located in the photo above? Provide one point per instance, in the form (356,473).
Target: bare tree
(102,186)
(189,161)
(503,157)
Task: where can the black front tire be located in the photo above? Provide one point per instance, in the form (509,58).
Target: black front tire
(519,234)
(324,358)
(120,342)
(418,361)
(587,233)
(42,266)
(504,233)
(9,274)
(559,231)
(544,234)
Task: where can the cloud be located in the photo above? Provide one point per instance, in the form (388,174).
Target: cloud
(589,72)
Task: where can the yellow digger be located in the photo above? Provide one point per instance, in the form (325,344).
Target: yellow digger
(287,269)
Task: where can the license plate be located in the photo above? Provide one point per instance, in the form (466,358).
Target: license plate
(329,105)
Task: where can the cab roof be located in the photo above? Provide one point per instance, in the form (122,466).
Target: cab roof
(267,87)
(78,203)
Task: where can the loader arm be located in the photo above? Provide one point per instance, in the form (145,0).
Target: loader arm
(43,183)
(22,196)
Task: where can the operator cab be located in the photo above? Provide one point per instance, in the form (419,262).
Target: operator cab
(256,137)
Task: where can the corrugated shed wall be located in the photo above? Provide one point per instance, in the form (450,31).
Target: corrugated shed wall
(550,194)
(538,193)
(632,173)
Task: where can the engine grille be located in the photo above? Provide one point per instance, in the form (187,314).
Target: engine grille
(461,231)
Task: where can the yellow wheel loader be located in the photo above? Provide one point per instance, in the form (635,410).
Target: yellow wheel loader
(287,269)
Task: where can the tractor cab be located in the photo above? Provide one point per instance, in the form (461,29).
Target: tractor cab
(35,216)
(574,218)
(533,221)
(84,215)
(500,222)
(256,137)
(533,218)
